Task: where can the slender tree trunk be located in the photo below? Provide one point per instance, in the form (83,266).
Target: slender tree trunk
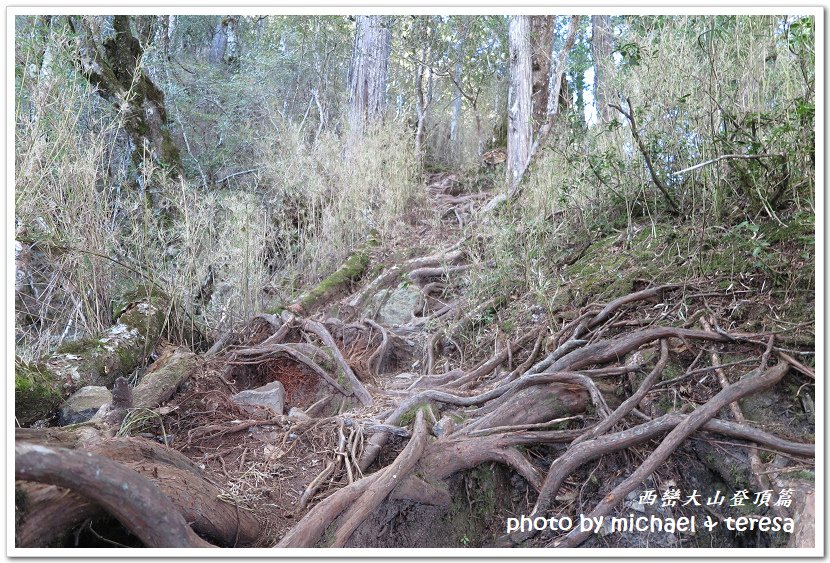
(519,99)
(226,46)
(558,74)
(219,44)
(456,109)
(171,31)
(234,49)
(41,75)
(421,101)
(601,53)
(456,101)
(369,71)
(541,33)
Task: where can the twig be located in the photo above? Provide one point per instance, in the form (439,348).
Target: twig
(726,157)
(235,174)
(644,151)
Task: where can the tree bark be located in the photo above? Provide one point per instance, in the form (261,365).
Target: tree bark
(519,100)
(541,34)
(125,494)
(49,511)
(219,44)
(601,53)
(114,67)
(369,71)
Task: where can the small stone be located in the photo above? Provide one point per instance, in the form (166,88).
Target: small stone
(395,306)
(271,395)
(83,404)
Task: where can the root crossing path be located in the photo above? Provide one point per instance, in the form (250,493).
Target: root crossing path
(408,409)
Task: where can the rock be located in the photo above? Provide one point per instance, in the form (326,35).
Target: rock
(83,404)
(804,515)
(395,306)
(271,395)
(802,491)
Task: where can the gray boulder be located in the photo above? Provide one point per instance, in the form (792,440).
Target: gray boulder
(271,395)
(395,306)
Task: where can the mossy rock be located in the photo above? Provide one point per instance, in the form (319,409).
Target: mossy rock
(36,393)
(40,388)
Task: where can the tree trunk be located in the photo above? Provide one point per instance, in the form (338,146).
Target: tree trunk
(519,99)
(558,74)
(601,53)
(114,68)
(456,101)
(234,48)
(225,47)
(421,99)
(541,36)
(219,44)
(369,71)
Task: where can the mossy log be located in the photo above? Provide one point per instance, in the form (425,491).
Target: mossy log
(41,386)
(349,271)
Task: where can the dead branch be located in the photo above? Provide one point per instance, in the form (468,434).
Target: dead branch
(727,157)
(629,115)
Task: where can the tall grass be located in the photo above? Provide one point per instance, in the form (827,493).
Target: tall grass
(64,213)
(93,226)
(323,199)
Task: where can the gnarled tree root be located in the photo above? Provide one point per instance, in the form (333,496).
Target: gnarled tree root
(131,498)
(50,511)
(671,442)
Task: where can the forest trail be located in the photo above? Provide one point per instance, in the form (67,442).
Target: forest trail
(395,431)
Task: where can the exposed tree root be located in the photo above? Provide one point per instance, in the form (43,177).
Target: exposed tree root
(480,414)
(52,511)
(673,440)
(383,485)
(125,494)
(634,400)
